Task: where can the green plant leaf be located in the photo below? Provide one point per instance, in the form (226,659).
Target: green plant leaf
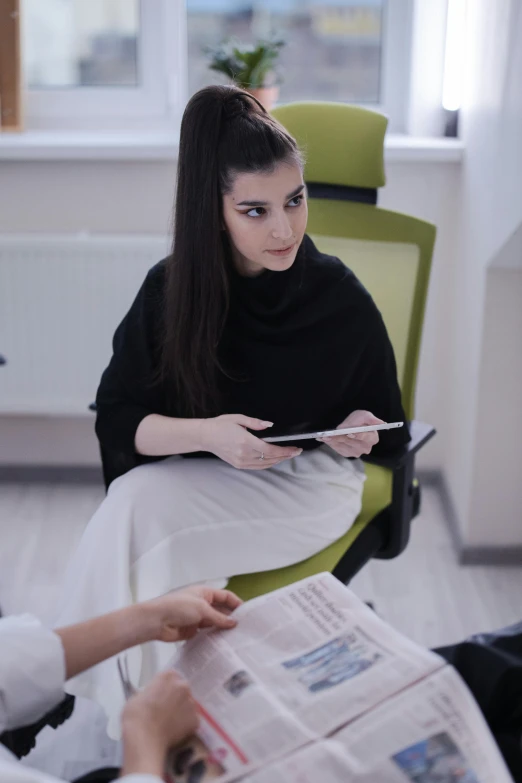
(246,64)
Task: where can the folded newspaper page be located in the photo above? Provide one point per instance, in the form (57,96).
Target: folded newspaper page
(431,733)
(302,662)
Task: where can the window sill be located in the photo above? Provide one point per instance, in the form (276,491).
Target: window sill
(88,145)
(161,146)
(423,149)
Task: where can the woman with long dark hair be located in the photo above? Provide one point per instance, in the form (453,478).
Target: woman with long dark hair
(245,330)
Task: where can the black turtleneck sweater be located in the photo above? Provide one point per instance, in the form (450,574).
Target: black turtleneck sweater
(305,347)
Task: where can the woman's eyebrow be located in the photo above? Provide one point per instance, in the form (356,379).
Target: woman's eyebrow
(293,194)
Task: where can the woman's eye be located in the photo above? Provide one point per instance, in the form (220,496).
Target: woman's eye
(257,212)
(294,202)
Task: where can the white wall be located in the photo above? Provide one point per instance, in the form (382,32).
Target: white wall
(496,502)
(496,498)
(490,211)
(103,197)
(430,191)
(65,197)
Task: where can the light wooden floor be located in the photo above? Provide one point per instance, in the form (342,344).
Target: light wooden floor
(425,593)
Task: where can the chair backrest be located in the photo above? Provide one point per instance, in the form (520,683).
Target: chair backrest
(389,252)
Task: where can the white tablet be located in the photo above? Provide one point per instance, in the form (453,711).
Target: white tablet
(332,433)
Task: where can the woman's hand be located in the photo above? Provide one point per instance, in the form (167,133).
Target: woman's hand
(228,438)
(170,618)
(155,720)
(358,444)
(179,615)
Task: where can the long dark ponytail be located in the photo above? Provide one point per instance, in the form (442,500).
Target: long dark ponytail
(224,131)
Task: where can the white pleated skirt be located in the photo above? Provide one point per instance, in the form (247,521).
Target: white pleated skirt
(179,522)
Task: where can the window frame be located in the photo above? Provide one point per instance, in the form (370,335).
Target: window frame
(397,50)
(159,102)
(154,105)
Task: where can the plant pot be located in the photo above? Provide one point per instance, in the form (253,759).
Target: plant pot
(267,96)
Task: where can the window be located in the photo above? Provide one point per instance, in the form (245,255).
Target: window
(81,45)
(339,50)
(101,63)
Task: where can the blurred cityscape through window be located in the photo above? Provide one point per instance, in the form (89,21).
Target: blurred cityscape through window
(81,43)
(333,48)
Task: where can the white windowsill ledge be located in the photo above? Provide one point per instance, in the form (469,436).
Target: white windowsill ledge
(161,146)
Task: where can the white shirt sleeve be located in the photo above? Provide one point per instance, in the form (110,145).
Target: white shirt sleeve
(32,671)
(32,676)
(11,770)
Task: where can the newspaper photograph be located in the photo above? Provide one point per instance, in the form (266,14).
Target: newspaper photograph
(208,755)
(335,662)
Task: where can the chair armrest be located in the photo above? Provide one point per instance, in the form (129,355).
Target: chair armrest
(420,434)
(387,534)
(3,360)
(394,521)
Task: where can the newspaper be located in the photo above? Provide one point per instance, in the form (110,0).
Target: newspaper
(302,662)
(312,686)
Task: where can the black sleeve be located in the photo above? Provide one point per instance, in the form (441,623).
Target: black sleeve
(378,391)
(128,392)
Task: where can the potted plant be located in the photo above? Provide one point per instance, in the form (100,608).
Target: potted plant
(252,67)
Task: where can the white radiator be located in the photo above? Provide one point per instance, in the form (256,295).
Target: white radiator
(61,298)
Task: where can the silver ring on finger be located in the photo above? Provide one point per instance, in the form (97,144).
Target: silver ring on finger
(262,455)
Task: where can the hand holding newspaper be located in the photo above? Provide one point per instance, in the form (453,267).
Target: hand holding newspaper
(312,686)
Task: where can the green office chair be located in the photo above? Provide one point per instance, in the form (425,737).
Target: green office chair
(391,254)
